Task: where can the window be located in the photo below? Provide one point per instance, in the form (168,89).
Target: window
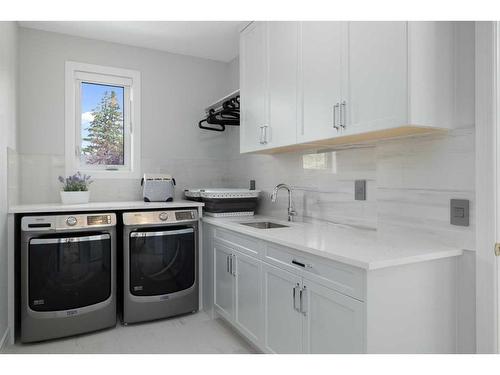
(102,121)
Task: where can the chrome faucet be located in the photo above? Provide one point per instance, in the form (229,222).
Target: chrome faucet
(274,196)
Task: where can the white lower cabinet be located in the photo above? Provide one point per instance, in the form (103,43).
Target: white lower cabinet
(287,301)
(283,312)
(301,316)
(333,322)
(223,281)
(237,290)
(282,317)
(248,296)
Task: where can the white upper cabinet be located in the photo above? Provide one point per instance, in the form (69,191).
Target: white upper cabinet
(431,73)
(254,86)
(375,93)
(283,59)
(346,82)
(321,79)
(269,58)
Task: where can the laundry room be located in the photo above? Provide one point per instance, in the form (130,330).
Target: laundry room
(240,185)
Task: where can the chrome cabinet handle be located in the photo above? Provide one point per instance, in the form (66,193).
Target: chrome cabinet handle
(227,263)
(261,134)
(342,115)
(294,291)
(264,142)
(301,297)
(335,108)
(233,265)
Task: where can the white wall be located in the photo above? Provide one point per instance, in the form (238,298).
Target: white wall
(175,91)
(8,96)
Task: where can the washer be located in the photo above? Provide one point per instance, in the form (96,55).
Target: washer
(68,272)
(160,264)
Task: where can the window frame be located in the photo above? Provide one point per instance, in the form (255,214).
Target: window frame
(130,80)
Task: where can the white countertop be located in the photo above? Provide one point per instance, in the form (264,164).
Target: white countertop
(365,248)
(100,206)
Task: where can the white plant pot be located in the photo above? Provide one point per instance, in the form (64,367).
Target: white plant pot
(75,197)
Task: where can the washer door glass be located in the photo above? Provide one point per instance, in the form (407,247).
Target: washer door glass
(69,272)
(162,261)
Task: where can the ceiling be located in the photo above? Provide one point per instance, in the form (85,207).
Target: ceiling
(216,40)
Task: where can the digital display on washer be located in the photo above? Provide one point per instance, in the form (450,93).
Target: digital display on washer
(184,215)
(98,220)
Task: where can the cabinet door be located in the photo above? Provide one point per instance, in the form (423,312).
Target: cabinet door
(254,86)
(283,60)
(223,282)
(248,312)
(376,93)
(333,322)
(282,321)
(321,78)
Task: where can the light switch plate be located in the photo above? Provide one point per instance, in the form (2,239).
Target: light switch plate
(360,190)
(459,212)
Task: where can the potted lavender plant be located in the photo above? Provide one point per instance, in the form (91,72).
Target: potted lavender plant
(75,189)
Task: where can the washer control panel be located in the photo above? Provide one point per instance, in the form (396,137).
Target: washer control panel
(71,221)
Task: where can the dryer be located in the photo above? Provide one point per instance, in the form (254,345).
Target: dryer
(68,271)
(160,264)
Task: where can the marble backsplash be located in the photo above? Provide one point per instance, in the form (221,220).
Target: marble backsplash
(410,182)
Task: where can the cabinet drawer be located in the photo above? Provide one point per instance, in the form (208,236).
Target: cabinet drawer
(341,277)
(245,244)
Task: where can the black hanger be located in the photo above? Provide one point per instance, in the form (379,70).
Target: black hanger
(229,114)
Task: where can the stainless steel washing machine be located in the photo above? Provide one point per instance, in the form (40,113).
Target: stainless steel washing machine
(160,264)
(68,272)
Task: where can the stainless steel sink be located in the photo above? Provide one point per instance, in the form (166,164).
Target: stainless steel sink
(264,225)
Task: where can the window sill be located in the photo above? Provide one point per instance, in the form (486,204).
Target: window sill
(106,174)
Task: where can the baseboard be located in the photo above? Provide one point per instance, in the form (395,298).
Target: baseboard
(4,339)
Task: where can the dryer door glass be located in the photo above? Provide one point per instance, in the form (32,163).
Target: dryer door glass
(162,261)
(69,272)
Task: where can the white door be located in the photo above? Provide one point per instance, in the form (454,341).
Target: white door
(253,86)
(283,60)
(282,320)
(376,95)
(333,321)
(248,312)
(223,281)
(321,78)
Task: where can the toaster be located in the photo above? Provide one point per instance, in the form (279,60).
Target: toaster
(158,187)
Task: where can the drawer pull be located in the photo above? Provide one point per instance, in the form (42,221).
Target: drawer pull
(300,264)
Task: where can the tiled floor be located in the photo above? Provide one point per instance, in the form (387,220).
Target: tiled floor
(191,334)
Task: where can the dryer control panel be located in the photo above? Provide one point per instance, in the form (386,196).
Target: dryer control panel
(160,217)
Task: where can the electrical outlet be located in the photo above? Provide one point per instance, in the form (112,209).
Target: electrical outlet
(360,190)
(459,212)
